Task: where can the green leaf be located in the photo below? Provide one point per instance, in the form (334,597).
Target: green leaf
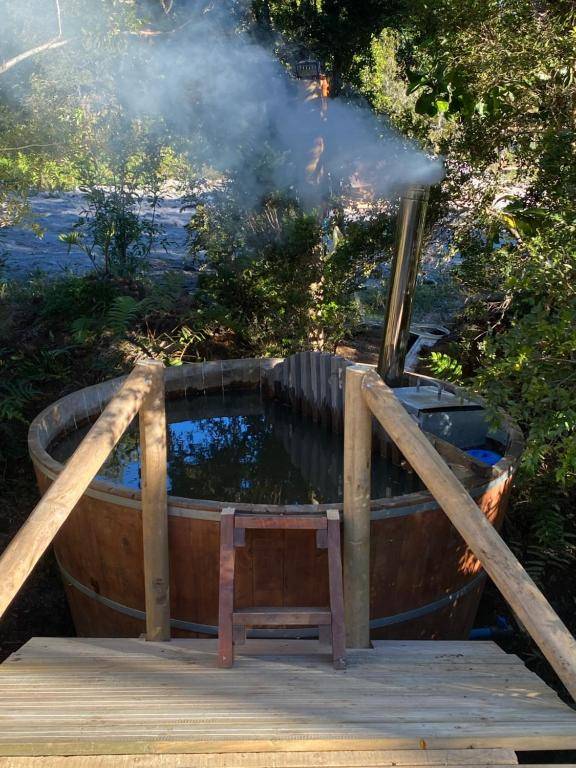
(480,108)
(426,104)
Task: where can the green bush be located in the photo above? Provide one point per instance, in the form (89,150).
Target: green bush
(519,350)
(271,278)
(113,233)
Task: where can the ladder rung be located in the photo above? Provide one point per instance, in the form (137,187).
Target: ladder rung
(276,617)
(281,522)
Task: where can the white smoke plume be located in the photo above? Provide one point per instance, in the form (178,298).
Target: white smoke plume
(212,82)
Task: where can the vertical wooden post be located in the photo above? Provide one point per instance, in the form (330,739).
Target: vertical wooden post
(357,463)
(337,625)
(226,591)
(154,462)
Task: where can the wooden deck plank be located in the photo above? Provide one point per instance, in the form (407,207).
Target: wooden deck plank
(171,744)
(380,759)
(105,647)
(475,648)
(126,696)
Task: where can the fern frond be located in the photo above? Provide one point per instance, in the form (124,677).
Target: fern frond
(123,312)
(82,328)
(14,397)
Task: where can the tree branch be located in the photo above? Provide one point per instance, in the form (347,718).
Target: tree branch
(160,32)
(30,146)
(57,42)
(58,17)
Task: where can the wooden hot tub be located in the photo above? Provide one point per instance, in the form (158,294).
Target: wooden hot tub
(425,583)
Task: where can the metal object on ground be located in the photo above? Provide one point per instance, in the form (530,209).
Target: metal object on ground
(308,70)
(409,235)
(424,336)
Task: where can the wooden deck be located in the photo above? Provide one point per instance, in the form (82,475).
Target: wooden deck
(122,696)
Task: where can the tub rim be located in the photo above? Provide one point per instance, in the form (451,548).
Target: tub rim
(49,423)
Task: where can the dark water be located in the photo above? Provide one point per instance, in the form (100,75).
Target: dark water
(239,448)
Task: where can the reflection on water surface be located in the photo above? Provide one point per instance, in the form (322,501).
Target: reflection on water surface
(236,447)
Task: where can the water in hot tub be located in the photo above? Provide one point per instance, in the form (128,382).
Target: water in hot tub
(237,447)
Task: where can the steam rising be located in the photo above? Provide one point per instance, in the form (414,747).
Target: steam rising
(247,117)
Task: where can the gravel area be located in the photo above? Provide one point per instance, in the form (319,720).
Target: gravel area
(24,253)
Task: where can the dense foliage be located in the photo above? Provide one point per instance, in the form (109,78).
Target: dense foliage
(279,277)
(500,78)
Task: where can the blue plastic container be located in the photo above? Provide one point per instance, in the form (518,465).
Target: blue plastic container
(488,457)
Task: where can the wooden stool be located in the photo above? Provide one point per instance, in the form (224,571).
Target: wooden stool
(232,623)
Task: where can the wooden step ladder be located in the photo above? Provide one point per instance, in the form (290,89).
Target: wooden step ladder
(232,622)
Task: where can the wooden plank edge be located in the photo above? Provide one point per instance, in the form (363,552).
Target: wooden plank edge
(380,759)
(524,743)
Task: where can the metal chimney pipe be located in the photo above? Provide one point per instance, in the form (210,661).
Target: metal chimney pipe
(407,247)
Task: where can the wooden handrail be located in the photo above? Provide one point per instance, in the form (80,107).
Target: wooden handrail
(524,597)
(143,386)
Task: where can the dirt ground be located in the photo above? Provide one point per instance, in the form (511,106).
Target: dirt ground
(363,348)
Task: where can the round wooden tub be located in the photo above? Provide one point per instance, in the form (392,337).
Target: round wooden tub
(425,583)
